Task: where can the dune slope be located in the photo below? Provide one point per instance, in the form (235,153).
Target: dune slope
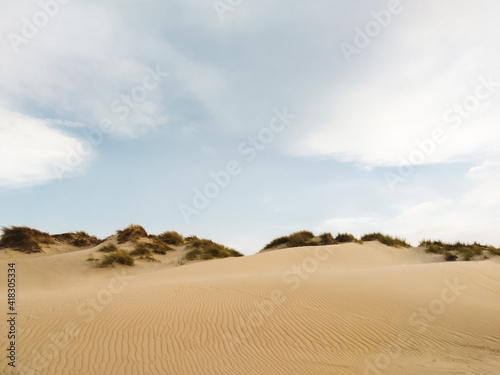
(341,309)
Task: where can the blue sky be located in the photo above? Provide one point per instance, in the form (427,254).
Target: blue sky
(333,116)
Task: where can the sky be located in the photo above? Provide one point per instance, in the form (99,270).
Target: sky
(242,121)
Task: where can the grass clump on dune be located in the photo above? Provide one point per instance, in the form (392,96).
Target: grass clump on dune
(301,238)
(29,240)
(78,239)
(277,242)
(454,251)
(347,237)
(119,256)
(143,251)
(386,239)
(159,247)
(147,249)
(109,248)
(307,238)
(327,239)
(131,233)
(296,239)
(494,251)
(172,238)
(193,254)
(449,256)
(203,249)
(92,259)
(24,239)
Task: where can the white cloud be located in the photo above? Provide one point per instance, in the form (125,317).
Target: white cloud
(486,188)
(446,219)
(29,147)
(487,169)
(396,92)
(91,54)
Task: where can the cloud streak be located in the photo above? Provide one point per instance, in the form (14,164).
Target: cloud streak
(426,62)
(29,148)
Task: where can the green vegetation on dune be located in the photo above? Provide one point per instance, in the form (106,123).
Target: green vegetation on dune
(109,248)
(450,251)
(144,250)
(307,238)
(493,250)
(347,237)
(458,250)
(131,233)
(385,239)
(24,239)
(449,256)
(78,239)
(277,242)
(148,248)
(327,239)
(119,257)
(28,240)
(301,238)
(141,249)
(203,249)
(159,247)
(171,238)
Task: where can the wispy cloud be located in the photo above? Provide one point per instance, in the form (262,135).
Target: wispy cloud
(473,216)
(30,148)
(427,62)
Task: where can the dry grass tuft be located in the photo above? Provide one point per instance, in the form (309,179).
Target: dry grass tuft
(131,233)
(172,238)
(203,249)
(24,239)
(119,256)
(386,239)
(78,239)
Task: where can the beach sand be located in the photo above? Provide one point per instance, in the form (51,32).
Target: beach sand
(339,309)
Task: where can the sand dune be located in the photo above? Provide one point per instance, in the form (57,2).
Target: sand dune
(340,309)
